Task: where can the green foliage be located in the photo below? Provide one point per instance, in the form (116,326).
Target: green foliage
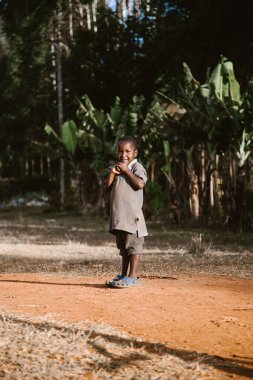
(212,115)
(50,131)
(116,112)
(69,136)
(153,128)
(167,155)
(215,109)
(156,197)
(130,73)
(243,150)
(94,132)
(223,84)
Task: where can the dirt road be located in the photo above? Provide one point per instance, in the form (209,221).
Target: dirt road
(211,315)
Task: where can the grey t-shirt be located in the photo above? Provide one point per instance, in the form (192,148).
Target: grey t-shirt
(126,203)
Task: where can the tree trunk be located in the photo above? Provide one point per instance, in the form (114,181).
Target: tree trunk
(128,5)
(71,29)
(194,195)
(94,15)
(33,166)
(41,165)
(49,168)
(211,189)
(81,13)
(240,198)
(216,188)
(148,5)
(101,200)
(88,14)
(119,9)
(137,8)
(152,170)
(26,166)
(232,189)
(174,206)
(60,100)
(202,165)
(193,187)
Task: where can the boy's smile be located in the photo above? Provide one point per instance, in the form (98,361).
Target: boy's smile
(126,152)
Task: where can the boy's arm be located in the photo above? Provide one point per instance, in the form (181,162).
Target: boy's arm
(110,178)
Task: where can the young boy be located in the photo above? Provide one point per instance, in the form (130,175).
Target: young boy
(126,181)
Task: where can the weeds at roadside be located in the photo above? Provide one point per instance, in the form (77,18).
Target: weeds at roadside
(199,246)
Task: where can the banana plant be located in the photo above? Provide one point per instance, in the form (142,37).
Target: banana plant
(93,132)
(243,150)
(224,83)
(101,130)
(68,135)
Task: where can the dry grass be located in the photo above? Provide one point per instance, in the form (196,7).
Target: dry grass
(79,260)
(199,245)
(76,245)
(72,245)
(37,348)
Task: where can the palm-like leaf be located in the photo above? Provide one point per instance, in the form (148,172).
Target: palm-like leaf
(69,136)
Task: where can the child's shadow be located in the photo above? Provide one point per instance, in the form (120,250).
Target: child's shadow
(99,286)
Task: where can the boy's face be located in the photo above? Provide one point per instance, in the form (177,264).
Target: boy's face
(126,152)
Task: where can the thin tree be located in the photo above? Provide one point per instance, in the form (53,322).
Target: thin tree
(59,84)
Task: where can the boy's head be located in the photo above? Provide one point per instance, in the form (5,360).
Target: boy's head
(127,149)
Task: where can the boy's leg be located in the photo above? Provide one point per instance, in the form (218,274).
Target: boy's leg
(134,246)
(129,245)
(134,263)
(121,245)
(120,241)
(125,265)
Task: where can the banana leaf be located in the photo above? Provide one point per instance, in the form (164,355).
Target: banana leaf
(216,81)
(116,111)
(69,136)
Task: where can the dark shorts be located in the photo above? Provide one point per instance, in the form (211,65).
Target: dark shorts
(128,244)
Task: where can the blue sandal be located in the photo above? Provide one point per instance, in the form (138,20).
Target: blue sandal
(126,282)
(110,283)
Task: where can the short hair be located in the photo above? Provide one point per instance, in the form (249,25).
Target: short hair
(127,139)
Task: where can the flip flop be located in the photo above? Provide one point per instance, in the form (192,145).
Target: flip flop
(111,282)
(126,282)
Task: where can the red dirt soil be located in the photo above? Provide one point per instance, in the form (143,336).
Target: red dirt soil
(212,315)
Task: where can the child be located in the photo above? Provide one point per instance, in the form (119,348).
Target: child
(126,181)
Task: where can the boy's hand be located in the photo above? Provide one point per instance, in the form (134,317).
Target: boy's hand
(116,169)
(122,167)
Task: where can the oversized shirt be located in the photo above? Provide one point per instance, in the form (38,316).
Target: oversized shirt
(126,203)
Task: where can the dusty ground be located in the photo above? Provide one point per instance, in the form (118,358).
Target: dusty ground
(196,308)
(208,315)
